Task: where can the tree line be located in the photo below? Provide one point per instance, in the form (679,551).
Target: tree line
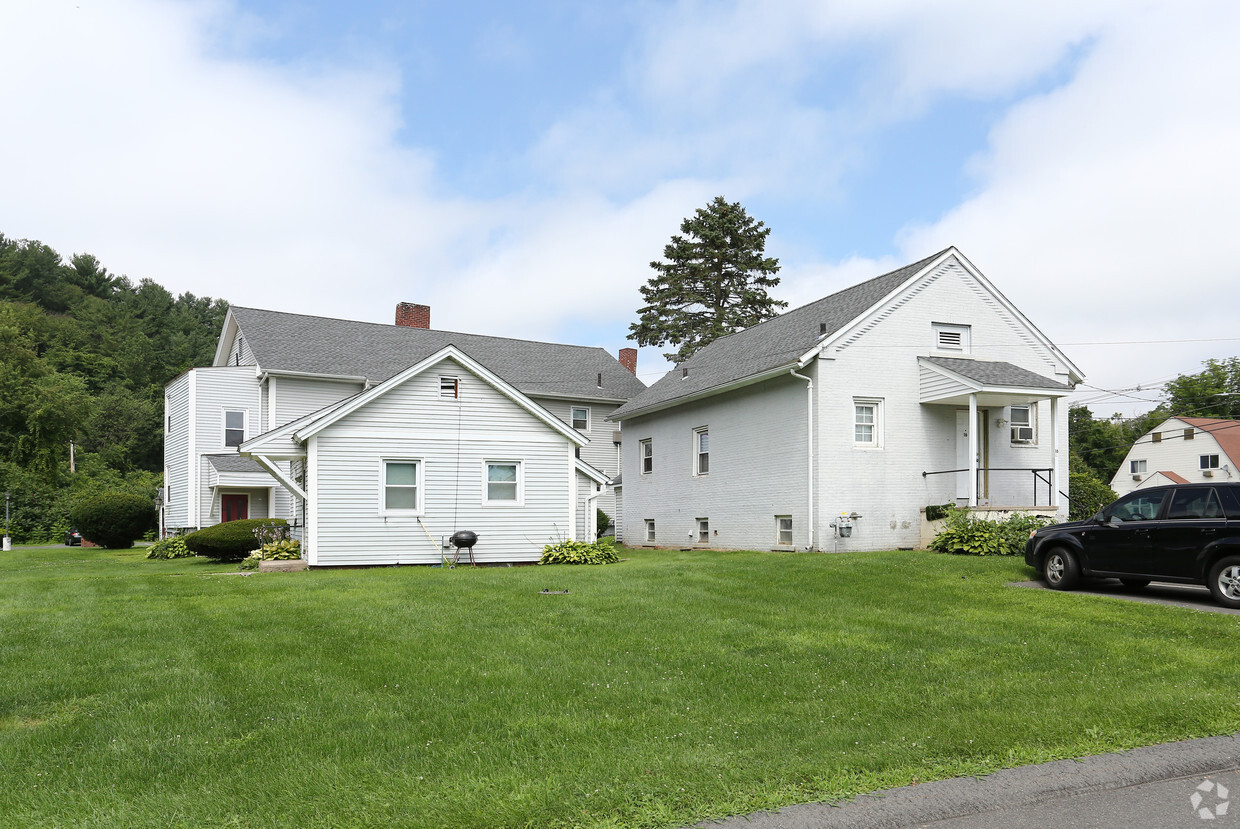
(84,357)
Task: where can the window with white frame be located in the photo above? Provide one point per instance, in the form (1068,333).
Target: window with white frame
(948,337)
(1137,467)
(701,450)
(867,423)
(450,387)
(1023,419)
(646,453)
(783,530)
(1208,462)
(402,490)
(649,530)
(234,428)
(581,418)
(503,482)
(703,530)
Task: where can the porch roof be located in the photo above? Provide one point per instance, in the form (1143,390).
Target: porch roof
(235,470)
(951,381)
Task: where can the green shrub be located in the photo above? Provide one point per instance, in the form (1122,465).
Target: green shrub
(251,561)
(936,511)
(602,551)
(604,522)
(232,540)
(966,534)
(1089,495)
(171,547)
(288,549)
(113,519)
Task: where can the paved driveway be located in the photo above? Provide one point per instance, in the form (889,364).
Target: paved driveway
(1180,595)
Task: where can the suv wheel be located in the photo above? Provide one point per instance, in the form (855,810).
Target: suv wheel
(1061,570)
(1225,581)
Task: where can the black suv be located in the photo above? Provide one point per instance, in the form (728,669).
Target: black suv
(1187,533)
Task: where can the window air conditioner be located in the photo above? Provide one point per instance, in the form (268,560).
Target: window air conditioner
(1022,434)
(1136,477)
(1209,473)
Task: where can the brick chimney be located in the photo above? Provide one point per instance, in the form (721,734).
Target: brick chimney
(413,316)
(628,359)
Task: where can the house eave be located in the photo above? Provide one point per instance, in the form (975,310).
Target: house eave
(704,393)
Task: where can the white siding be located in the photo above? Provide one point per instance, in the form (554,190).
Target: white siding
(176,451)
(600,452)
(1172,454)
(298,396)
(216,390)
(452,440)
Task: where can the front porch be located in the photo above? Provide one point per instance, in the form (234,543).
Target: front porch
(1009,426)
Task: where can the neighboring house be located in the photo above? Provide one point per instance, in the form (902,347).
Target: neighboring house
(242,436)
(857,405)
(1181,450)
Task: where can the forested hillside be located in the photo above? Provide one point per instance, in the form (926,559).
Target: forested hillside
(84,356)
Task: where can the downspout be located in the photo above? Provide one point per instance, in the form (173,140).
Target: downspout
(809,455)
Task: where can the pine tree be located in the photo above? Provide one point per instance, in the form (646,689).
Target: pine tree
(713,282)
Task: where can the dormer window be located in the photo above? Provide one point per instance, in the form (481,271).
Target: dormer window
(949,337)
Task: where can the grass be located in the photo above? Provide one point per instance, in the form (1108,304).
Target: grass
(671,688)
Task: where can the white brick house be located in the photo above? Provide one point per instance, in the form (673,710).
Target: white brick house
(859,404)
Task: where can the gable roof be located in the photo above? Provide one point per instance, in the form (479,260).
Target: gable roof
(1225,432)
(771,346)
(300,344)
(306,427)
(791,339)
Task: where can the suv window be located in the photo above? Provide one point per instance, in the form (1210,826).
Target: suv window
(1139,506)
(1194,502)
(1231,502)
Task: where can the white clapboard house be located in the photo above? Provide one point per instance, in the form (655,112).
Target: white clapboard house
(378,442)
(1181,450)
(833,426)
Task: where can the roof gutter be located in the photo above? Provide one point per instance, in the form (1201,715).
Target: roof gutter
(809,453)
(778,371)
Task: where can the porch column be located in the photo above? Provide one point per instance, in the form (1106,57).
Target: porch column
(1055,453)
(973,438)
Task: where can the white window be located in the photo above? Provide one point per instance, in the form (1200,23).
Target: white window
(1136,467)
(867,423)
(701,450)
(1209,461)
(1023,419)
(402,490)
(234,428)
(646,453)
(949,337)
(503,483)
(649,530)
(581,418)
(783,530)
(450,387)
(703,531)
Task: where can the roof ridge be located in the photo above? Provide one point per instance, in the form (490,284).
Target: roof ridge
(385,325)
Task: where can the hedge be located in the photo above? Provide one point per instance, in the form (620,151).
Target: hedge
(231,540)
(114,519)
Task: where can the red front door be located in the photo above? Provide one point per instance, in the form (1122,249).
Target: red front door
(234,507)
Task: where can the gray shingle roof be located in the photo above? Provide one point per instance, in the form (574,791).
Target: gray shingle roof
(777,342)
(321,345)
(234,463)
(996,373)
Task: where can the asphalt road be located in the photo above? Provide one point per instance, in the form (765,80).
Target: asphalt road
(1146,788)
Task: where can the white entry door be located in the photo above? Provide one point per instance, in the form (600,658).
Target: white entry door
(962,454)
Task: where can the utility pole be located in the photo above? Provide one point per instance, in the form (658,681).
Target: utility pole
(72,467)
(8,542)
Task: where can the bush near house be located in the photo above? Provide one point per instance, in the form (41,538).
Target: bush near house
(230,541)
(602,551)
(171,547)
(113,519)
(964,533)
(1089,495)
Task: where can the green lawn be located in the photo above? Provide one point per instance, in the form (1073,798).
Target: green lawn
(664,690)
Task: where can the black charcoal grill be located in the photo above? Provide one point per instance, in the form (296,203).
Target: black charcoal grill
(464,540)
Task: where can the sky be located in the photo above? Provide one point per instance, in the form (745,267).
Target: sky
(517,165)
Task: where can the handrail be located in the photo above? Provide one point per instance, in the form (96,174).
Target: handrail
(1037,476)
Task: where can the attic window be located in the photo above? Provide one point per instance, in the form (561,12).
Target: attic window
(449,387)
(951,337)
(1157,437)
(1188,433)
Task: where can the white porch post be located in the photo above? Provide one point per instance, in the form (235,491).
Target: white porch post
(1055,453)
(973,438)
